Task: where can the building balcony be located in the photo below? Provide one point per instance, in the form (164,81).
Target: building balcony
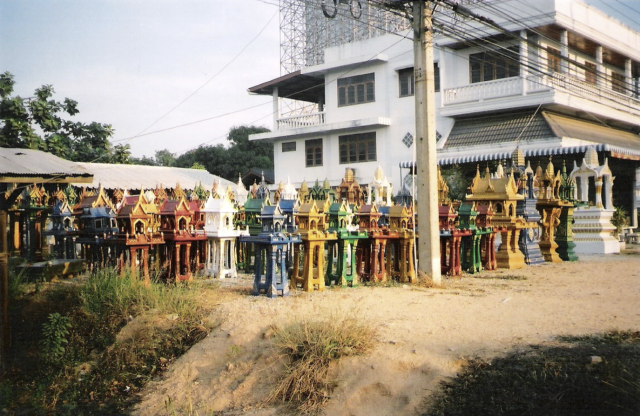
(502,92)
(305,120)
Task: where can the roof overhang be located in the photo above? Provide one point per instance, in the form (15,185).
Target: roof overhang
(295,86)
(323,129)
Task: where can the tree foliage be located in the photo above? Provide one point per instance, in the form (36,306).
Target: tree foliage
(40,123)
(240,156)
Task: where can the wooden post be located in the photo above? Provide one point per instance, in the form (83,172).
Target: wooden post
(5,339)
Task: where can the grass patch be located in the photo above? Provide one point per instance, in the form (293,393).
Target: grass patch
(500,276)
(560,380)
(121,334)
(308,349)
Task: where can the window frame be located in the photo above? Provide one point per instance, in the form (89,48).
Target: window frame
(357,148)
(313,148)
(357,89)
(618,83)
(492,66)
(590,72)
(405,73)
(289,147)
(554,60)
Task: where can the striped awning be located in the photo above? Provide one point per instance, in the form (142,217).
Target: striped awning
(616,151)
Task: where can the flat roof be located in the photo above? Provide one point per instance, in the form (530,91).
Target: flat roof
(295,86)
(29,166)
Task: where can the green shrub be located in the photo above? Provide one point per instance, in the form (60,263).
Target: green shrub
(54,334)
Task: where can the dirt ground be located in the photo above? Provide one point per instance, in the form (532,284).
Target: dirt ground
(423,335)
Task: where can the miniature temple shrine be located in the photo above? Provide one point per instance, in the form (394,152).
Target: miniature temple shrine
(349,190)
(400,251)
(502,193)
(379,191)
(313,236)
(564,232)
(222,233)
(138,235)
(271,244)
(592,230)
(371,253)
(184,242)
(530,238)
(550,207)
(341,268)
(96,222)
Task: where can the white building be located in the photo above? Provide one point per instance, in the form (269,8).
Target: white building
(560,77)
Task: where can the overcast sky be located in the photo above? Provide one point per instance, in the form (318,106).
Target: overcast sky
(129,62)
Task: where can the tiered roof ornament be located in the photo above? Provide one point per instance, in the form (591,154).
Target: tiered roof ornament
(303,192)
(240,193)
(443,190)
(263,191)
(178,193)
(381,187)
(289,192)
(349,190)
(160,194)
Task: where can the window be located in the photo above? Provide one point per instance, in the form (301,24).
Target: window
(288,147)
(406,82)
(590,72)
(488,66)
(313,150)
(618,82)
(356,90)
(406,78)
(356,148)
(553,59)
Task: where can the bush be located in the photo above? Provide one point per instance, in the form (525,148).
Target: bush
(54,335)
(308,348)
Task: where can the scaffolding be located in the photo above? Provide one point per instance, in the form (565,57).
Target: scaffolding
(305,31)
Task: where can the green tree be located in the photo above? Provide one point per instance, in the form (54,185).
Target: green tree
(144,160)
(122,154)
(165,158)
(198,166)
(37,123)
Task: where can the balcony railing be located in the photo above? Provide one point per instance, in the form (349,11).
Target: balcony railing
(510,87)
(305,120)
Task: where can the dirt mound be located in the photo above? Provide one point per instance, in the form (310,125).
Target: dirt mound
(424,335)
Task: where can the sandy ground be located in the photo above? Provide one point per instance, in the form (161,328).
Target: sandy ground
(424,335)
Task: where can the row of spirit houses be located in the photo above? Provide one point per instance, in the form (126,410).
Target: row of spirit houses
(312,237)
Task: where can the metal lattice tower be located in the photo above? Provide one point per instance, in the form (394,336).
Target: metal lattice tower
(305,32)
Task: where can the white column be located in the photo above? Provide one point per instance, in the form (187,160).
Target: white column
(524,60)
(564,51)
(276,108)
(600,67)
(628,76)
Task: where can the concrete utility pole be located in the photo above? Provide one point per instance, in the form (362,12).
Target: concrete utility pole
(426,159)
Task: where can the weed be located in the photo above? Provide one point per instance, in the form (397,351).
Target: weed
(501,276)
(308,348)
(54,334)
(558,380)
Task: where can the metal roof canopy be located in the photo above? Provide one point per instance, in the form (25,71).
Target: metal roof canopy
(30,166)
(294,86)
(498,130)
(148,177)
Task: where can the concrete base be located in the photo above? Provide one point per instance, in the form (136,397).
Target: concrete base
(592,231)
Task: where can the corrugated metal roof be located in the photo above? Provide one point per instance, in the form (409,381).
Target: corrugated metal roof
(148,177)
(563,126)
(37,164)
(499,128)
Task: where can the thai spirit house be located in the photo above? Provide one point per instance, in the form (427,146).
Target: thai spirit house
(252,211)
(62,230)
(138,238)
(564,232)
(592,230)
(530,238)
(341,268)
(270,275)
(484,221)
(502,194)
(470,255)
(349,190)
(222,235)
(35,210)
(314,237)
(400,251)
(450,241)
(183,240)
(550,207)
(370,253)
(96,220)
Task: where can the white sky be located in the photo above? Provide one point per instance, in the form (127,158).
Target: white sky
(128,62)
